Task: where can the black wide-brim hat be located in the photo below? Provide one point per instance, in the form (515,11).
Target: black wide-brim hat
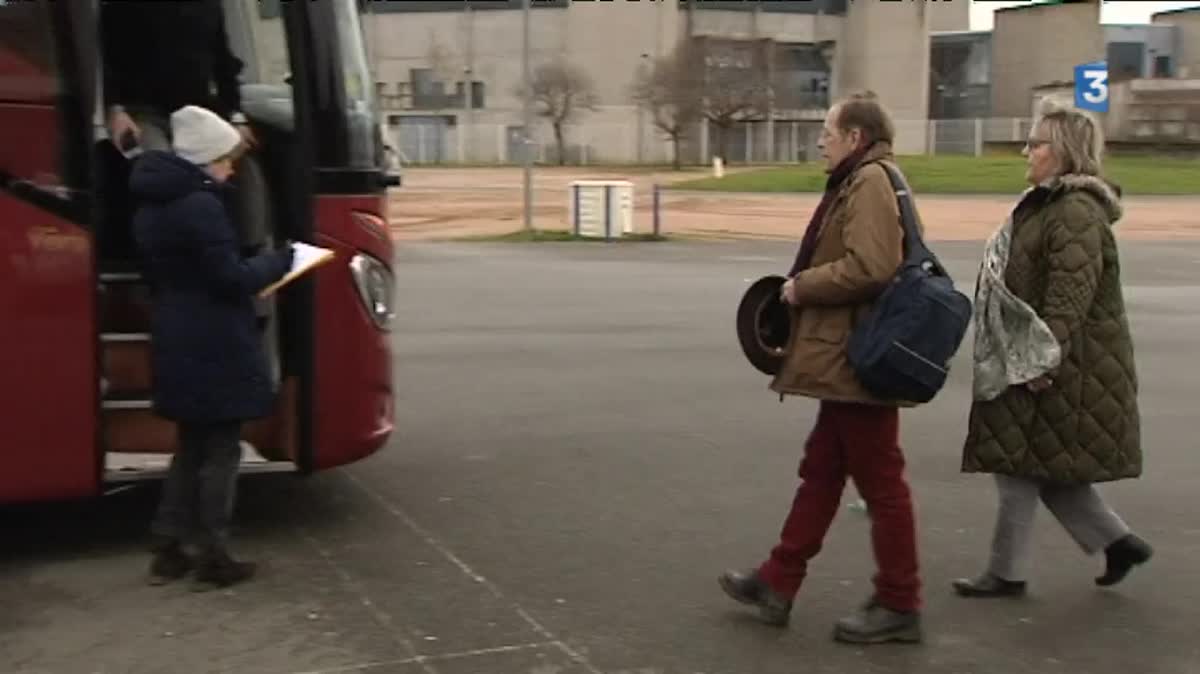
(764,323)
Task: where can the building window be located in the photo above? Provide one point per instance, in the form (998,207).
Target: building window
(428,93)
(1162,66)
(422,81)
(774,6)
(1125,59)
(398,6)
(801,77)
(477,95)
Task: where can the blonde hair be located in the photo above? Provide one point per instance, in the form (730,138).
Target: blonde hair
(1075,137)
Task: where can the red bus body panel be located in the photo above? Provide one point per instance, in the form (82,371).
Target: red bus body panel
(353,400)
(48,356)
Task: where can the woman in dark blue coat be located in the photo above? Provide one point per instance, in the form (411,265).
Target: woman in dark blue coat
(210,370)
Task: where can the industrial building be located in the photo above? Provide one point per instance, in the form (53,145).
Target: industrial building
(997,77)
(449,72)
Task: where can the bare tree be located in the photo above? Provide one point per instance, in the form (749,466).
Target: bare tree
(735,86)
(561,93)
(672,92)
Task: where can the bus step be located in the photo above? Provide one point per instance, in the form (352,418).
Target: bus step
(127,402)
(124,337)
(125,363)
(125,307)
(115,277)
(131,425)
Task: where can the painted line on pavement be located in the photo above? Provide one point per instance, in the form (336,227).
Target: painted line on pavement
(457,561)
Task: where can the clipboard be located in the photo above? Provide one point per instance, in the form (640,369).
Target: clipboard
(307,257)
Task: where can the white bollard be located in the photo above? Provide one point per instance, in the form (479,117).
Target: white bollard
(718,168)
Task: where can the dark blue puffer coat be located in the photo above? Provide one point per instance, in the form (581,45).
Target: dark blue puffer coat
(209,363)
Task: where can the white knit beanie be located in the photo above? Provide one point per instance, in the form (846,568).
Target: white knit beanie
(201,136)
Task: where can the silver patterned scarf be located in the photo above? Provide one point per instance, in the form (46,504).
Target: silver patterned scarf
(1013,345)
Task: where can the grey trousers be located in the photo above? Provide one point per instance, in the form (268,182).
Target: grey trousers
(197,500)
(1079,509)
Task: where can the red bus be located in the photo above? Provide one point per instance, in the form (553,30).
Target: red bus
(74,361)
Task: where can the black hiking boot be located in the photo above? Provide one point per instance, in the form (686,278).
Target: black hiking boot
(170,563)
(216,569)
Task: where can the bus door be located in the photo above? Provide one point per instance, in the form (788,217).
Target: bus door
(48,383)
(353,300)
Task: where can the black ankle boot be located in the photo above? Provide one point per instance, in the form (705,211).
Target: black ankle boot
(217,569)
(170,562)
(1121,557)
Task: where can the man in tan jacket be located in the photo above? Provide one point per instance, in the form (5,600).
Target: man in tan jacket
(850,252)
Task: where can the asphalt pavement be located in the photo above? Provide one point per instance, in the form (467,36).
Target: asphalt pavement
(581,449)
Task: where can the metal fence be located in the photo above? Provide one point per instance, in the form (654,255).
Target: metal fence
(434,140)
(442,211)
(971,136)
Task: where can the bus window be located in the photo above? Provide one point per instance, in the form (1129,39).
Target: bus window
(29,84)
(257,36)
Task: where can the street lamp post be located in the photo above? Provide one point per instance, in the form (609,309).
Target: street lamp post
(527,89)
(641,113)
(468,131)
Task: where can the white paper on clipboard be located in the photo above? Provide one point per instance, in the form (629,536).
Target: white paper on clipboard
(307,257)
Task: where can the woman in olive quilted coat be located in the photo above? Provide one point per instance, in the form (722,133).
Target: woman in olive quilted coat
(1055,390)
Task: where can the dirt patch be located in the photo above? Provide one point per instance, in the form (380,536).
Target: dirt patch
(447,203)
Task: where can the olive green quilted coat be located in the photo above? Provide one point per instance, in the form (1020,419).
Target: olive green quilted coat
(1085,427)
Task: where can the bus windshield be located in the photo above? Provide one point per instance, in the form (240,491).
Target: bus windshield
(364,151)
(257,35)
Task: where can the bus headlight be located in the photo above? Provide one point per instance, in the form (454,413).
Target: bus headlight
(375,288)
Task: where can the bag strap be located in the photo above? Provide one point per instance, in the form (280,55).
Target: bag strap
(916,252)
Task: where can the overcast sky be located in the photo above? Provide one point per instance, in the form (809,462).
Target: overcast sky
(1126,11)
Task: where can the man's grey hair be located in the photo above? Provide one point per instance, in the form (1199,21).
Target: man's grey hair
(1076,137)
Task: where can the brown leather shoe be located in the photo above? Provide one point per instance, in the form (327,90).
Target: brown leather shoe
(877,624)
(748,587)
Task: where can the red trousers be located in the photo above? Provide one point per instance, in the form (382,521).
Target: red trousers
(862,442)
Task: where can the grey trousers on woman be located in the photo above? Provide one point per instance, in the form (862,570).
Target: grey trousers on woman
(197,500)
(1079,508)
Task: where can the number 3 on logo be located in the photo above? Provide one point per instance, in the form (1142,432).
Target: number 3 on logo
(1091,86)
(1097,85)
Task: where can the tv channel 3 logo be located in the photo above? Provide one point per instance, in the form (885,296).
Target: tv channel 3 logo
(1091,86)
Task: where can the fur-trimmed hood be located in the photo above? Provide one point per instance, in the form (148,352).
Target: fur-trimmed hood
(1106,193)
